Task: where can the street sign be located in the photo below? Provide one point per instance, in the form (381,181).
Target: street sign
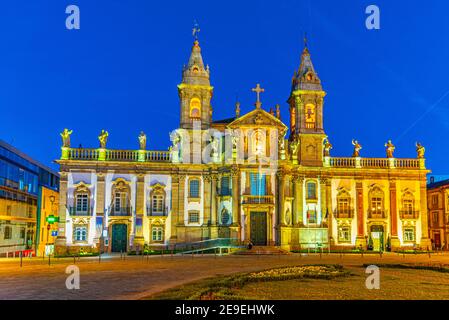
(54,233)
(52,219)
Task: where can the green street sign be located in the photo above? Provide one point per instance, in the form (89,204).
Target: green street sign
(52,219)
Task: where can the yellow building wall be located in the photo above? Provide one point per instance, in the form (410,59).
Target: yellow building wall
(49,206)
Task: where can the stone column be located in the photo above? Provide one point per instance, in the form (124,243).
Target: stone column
(174,207)
(280,218)
(207,200)
(299,200)
(394,216)
(140,209)
(235,196)
(329,210)
(214,179)
(323,200)
(100,190)
(61,240)
(181,199)
(360,240)
(425,241)
(213,204)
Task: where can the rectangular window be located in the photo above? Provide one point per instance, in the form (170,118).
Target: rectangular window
(311,216)
(8,210)
(194,217)
(194,188)
(157,234)
(436,217)
(82,202)
(22,233)
(408,206)
(376,205)
(158,203)
(81,234)
(258,184)
(435,200)
(311,190)
(225,190)
(409,234)
(7,233)
(343,205)
(344,234)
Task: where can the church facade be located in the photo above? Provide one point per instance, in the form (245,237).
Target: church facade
(250,177)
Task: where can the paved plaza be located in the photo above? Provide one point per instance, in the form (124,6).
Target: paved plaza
(138,277)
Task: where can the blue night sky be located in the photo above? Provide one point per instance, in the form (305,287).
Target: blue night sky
(120,70)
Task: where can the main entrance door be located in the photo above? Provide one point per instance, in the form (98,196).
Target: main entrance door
(377,236)
(119,237)
(258,229)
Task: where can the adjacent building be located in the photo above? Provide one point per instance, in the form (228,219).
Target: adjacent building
(249,177)
(24,184)
(438,206)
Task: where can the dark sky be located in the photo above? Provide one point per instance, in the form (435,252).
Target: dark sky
(120,70)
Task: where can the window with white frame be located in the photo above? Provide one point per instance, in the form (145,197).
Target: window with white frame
(80,233)
(157,234)
(194,217)
(344,233)
(409,234)
(194,188)
(82,202)
(158,203)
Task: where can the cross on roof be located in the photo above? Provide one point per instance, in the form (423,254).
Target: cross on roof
(258,90)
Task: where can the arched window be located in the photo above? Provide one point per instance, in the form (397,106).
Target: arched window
(195,108)
(225,216)
(311,190)
(258,143)
(376,202)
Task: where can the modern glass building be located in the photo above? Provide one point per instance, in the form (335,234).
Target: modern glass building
(22,180)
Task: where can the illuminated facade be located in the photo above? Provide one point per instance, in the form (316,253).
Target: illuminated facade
(250,177)
(438,206)
(22,180)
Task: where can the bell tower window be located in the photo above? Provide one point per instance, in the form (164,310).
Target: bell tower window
(310,116)
(195,108)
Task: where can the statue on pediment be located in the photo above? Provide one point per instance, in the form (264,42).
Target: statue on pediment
(65,135)
(103,138)
(142,141)
(357,148)
(420,150)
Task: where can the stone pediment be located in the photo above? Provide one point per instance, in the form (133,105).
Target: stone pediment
(256,119)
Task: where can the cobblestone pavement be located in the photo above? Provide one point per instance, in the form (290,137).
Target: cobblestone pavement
(137,277)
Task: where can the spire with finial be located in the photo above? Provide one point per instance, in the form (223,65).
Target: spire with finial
(237,109)
(278,111)
(306,78)
(195,72)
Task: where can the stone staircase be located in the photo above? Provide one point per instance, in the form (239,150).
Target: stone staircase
(263,250)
